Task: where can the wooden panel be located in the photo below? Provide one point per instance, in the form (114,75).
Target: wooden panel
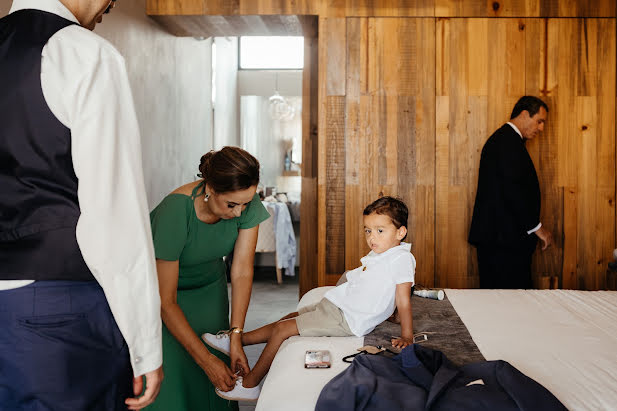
(405,105)
(586,111)
(606,148)
(331,165)
(482,67)
(176,7)
(390,53)
(310,87)
(549,263)
(478,81)
(390,129)
(576,154)
(388,8)
(335,185)
(278,6)
(236,25)
(321,150)
(356,137)
(378,8)
(470,99)
(335,33)
(308,277)
(232,7)
(525,8)
(570,246)
(392,8)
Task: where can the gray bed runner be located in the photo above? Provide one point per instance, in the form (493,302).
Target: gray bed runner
(445,330)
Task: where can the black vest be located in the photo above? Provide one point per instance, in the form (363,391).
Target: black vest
(38,187)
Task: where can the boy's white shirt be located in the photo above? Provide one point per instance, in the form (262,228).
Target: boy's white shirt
(368,297)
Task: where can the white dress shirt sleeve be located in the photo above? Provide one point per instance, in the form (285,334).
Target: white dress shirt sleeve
(85,83)
(536,228)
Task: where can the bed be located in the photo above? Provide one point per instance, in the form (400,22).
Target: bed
(564,339)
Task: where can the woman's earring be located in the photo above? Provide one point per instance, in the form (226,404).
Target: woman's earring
(206,197)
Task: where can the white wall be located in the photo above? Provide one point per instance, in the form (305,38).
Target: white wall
(263,137)
(171,83)
(226,104)
(265,82)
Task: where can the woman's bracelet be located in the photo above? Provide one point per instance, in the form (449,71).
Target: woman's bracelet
(235,330)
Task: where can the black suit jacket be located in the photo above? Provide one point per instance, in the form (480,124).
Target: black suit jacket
(508,197)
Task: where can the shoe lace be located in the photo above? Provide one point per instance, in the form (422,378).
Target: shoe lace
(222,333)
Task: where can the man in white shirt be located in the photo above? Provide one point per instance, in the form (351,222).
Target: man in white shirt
(79,301)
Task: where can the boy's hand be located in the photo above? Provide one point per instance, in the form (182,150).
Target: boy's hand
(401,342)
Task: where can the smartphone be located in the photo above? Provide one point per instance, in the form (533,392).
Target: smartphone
(419,338)
(317,359)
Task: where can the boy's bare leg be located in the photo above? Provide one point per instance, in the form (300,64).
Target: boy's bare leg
(290,315)
(262,334)
(258,336)
(281,331)
(395,317)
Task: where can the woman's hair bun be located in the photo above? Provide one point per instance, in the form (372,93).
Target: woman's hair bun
(204,163)
(229,169)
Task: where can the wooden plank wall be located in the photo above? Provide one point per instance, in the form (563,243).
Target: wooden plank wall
(483,66)
(419,99)
(408,92)
(389,132)
(308,210)
(387,8)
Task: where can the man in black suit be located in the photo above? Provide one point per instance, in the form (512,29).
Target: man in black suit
(505,226)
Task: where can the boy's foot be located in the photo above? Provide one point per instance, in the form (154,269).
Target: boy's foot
(240,393)
(220,341)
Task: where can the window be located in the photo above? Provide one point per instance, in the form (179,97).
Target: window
(269,53)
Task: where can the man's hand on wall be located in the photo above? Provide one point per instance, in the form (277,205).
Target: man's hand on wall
(545,236)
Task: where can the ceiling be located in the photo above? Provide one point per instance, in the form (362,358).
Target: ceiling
(220,26)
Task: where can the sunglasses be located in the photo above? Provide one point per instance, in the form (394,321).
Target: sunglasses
(109,8)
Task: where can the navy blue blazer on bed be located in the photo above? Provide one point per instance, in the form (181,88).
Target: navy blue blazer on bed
(424,379)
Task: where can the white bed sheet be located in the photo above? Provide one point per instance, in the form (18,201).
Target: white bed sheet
(288,385)
(564,339)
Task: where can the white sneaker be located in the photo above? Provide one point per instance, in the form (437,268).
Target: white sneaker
(240,393)
(220,341)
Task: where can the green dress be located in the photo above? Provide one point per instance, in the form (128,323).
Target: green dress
(202,293)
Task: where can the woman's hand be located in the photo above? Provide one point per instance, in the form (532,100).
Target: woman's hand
(219,374)
(401,342)
(239,363)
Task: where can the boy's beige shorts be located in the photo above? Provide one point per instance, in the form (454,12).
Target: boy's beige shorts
(323,319)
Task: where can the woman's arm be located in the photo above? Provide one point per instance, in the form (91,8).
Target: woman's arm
(177,324)
(403,304)
(241,286)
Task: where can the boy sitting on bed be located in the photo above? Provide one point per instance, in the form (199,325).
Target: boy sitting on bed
(369,297)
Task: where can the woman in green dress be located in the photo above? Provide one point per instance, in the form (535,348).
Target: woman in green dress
(194,227)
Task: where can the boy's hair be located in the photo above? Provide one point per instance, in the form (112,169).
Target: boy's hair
(392,207)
